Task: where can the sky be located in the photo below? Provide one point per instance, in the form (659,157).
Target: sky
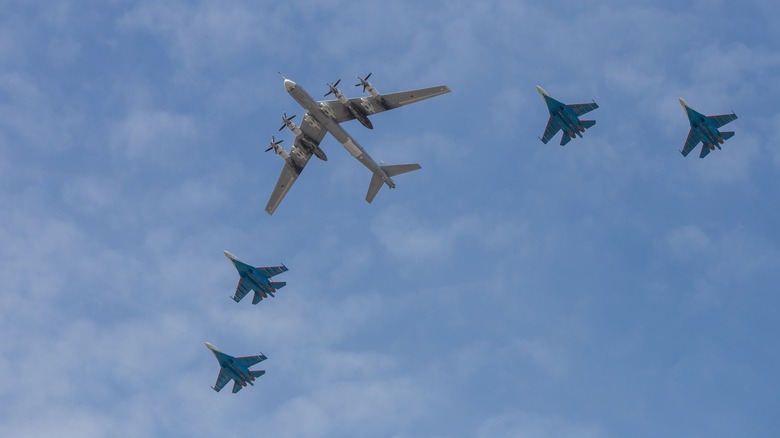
(608,288)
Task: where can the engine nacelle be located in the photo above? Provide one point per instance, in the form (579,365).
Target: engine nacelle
(293,127)
(341,98)
(327,110)
(370,88)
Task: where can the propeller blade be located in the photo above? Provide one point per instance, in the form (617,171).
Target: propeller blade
(337,83)
(285,120)
(269,148)
(363,82)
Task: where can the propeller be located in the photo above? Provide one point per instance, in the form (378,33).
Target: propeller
(286,121)
(274,145)
(363,82)
(332,88)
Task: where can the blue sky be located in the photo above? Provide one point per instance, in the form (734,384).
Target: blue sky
(610,288)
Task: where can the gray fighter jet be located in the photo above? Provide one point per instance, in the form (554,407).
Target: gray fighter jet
(236,369)
(326,116)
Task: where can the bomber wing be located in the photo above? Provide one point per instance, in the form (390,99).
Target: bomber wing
(243,288)
(270,271)
(552,128)
(300,154)
(690,143)
(583,108)
(248,361)
(222,380)
(722,119)
(373,105)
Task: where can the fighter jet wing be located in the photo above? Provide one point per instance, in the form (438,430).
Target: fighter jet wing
(222,380)
(248,361)
(583,108)
(270,271)
(373,105)
(299,157)
(690,143)
(552,128)
(722,119)
(242,289)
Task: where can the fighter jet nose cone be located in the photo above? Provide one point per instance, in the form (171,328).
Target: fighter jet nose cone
(541,91)
(683,103)
(210,347)
(229,255)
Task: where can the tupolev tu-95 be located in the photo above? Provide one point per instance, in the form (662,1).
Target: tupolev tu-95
(326,116)
(235,368)
(256,279)
(565,117)
(704,129)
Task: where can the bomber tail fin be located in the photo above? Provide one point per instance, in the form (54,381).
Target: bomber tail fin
(587,123)
(391,171)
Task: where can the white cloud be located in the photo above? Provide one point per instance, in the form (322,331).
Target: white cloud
(403,235)
(150,135)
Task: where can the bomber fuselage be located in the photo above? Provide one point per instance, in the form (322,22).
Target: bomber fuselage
(323,115)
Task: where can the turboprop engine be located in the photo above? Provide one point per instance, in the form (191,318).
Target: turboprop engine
(300,136)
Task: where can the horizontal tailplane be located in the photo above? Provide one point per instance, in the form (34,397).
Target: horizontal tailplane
(587,123)
(278,284)
(727,135)
(391,171)
(257,373)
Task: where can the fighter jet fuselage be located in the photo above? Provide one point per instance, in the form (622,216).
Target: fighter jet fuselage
(255,279)
(236,369)
(565,118)
(704,129)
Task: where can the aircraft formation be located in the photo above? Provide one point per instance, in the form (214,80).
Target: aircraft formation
(326,116)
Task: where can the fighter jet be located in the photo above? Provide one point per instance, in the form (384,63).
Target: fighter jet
(705,129)
(236,368)
(256,279)
(326,116)
(565,117)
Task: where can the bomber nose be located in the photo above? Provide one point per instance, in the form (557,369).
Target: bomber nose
(288,84)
